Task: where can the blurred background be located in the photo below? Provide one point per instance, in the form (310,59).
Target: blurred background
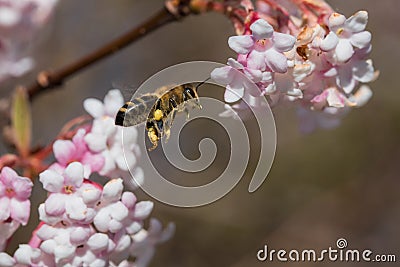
(340,183)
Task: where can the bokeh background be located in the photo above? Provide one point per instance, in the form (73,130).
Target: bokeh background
(322,186)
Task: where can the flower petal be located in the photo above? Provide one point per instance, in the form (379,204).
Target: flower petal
(6,260)
(233,93)
(96,142)
(55,204)
(336,20)
(74,174)
(79,235)
(94,107)
(222,75)
(20,210)
(129,199)
(344,50)
(52,181)
(22,187)
(235,64)
(261,29)
(112,102)
(101,220)
(112,190)
(357,22)
(76,209)
(364,71)
(362,96)
(254,75)
(98,242)
(283,42)
(7,176)
(5,209)
(241,44)
(95,161)
(64,151)
(119,211)
(361,39)
(334,99)
(345,79)
(90,194)
(256,60)
(63,252)
(276,61)
(330,42)
(143,209)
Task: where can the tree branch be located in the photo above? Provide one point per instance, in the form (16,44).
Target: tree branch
(50,79)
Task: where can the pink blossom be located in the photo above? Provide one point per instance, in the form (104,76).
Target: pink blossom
(108,239)
(108,108)
(19,23)
(14,196)
(346,34)
(7,229)
(310,120)
(6,260)
(357,69)
(236,82)
(264,48)
(261,54)
(65,202)
(120,155)
(67,151)
(320,73)
(329,97)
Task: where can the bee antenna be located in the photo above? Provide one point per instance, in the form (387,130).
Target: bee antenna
(203,82)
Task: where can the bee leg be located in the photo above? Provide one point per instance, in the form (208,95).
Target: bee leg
(153,147)
(186,110)
(195,103)
(154,137)
(168,123)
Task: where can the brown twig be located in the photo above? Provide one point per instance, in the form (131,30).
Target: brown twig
(50,79)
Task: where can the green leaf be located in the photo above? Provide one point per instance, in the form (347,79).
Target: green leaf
(21,121)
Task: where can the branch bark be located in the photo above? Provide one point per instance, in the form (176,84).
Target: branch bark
(50,79)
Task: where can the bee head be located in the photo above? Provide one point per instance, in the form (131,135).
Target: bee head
(189,91)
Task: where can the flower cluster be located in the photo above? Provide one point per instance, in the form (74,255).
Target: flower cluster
(19,22)
(120,156)
(83,223)
(14,203)
(99,146)
(319,66)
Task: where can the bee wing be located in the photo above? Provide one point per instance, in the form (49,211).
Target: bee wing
(136,111)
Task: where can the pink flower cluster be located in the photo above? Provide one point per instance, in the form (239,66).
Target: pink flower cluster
(99,147)
(318,66)
(19,22)
(14,203)
(83,223)
(120,156)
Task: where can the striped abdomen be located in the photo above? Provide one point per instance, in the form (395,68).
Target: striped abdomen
(136,111)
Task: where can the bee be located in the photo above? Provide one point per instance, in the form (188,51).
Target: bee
(158,110)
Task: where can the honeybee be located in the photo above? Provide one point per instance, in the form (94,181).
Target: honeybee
(158,110)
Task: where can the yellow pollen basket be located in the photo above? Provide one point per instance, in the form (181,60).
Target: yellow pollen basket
(153,136)
(158,114)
